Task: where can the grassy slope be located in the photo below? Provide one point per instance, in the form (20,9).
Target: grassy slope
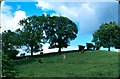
(0,62)
(92,63)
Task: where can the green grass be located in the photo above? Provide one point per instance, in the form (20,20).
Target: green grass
(0,62)
(89,64)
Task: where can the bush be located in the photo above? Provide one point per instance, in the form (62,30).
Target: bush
(11,53)
(90,46)
(81,47)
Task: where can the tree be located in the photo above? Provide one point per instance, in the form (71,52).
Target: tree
(117,40)
(106,35)
(60,31)
(31,34)
(9,43)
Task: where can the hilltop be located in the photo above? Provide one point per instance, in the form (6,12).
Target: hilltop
(89,64)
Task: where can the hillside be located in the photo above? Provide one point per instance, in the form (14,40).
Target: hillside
(0,62)
(89,64)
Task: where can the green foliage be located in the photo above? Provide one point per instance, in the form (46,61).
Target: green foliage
(107,35)
(90,46)
(117,40)
(89,64)
(9,43)
(32,33)
(8,68)
(60,31)
(81,47)
(0,63)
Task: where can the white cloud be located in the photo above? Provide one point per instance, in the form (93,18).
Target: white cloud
(77,12)
(59,8)
(44,5)
(19,15)
(10,20)
(77,0)
(87,15)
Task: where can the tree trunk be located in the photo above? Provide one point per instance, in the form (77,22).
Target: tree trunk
(59,50)
(59,46)
(109,48)
(31,51)
(59,43)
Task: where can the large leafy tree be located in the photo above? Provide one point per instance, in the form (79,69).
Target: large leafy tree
(60,31)
(10,43)
(106,35)
(31,34)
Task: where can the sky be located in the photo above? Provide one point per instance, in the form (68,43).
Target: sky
(87,15)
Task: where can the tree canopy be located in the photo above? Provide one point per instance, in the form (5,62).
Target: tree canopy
(9,43)
(60,31)
(107,35)
(117,40)
(32,33)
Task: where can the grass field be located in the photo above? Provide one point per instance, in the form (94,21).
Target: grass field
(89,64)
(0,62)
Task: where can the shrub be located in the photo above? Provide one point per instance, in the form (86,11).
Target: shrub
(90,46)
(81,47)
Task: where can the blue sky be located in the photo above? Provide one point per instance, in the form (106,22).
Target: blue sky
(87,15)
